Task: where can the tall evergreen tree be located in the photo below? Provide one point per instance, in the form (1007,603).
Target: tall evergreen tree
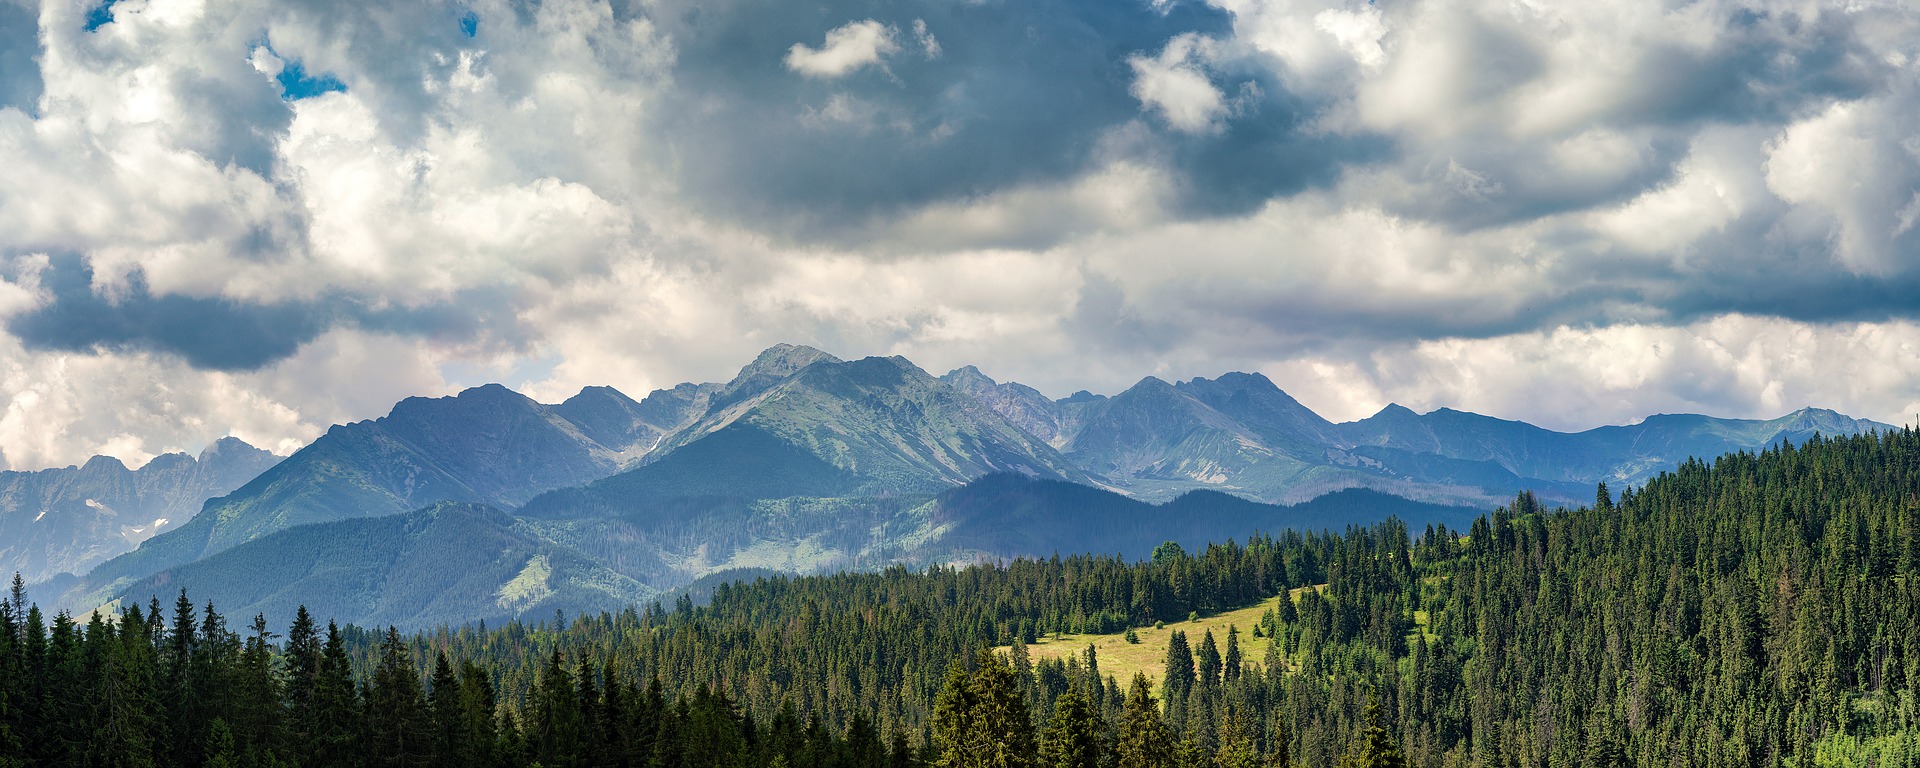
(337,723)
(1072,737)
(1179,673)
(1377,747)
(1232,663)
(399,728)
(1208,660)
(443,702)
(1145,739)
(300,659)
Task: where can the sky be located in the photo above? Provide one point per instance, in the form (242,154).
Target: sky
(261,218)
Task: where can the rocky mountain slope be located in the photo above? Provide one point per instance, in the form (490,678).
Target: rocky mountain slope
(69,519)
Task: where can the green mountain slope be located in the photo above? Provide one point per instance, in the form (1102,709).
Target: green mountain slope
(447,564)
(1006,516)
(830,427)
(487,445)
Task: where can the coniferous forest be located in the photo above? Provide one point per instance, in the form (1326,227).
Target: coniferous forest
(1757,610)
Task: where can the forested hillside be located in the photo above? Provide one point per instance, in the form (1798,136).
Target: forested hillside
(1760,610)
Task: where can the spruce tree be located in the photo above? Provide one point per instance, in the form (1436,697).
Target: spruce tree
(257,722)
(1145,740)
(301,661)
(952,721)
(556,728)
(1231,665)
(1072,738)
(443,701)
(337,722)
(399,728)
(1001,732)
(1178,678)
(479,734)
(1208,661)
(1238,749)
(1377,747)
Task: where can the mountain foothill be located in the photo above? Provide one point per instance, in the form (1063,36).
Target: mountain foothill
(489,506)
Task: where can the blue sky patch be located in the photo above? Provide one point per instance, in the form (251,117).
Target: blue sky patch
(296,84)
(101,15)
(470,23)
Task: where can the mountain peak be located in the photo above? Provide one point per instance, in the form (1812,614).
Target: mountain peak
(601,395)
(785,360)
(485,396)
(226,446)
(969,375)
(1244,379)
(1393,411)
(104,463)
(1148,384)
(487,391)
(774,364)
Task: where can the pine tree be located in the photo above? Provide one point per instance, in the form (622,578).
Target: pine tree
(1179,667)
(1072,737)
(443,701)
(1145,740)
(1233,663)
(1001,734)
(337,723)
(301,660)
(1208,660)
(953,719)
(399,728)
(1377,747)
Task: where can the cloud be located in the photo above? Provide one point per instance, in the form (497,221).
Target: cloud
(1369,201)
(929,45)
(857,45)
(1175,85)
(84,315)
(63,407)
(1576,378)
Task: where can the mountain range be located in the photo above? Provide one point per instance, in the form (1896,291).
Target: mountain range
(804,462)
(69,519)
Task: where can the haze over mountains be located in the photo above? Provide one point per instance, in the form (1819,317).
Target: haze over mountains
(69,519)
(488,505)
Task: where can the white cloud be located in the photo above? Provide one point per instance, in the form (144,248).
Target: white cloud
(1175,84)
(856,45)
(929,45)
(1578,378)
(64,407)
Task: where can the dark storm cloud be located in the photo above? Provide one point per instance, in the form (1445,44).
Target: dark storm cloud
(208,333)
(225,334)
(1020,92)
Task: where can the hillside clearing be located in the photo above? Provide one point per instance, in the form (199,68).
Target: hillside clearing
(1122,659)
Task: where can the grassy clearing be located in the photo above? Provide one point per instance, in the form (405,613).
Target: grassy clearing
(1122,659)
